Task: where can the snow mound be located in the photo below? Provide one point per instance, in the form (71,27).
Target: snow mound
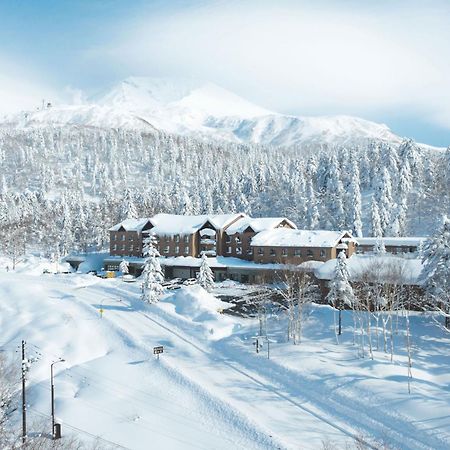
(195,304)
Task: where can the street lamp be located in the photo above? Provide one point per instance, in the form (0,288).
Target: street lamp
(53,398)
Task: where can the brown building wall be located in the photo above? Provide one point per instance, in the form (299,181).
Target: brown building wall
(178,245)
(238,245)
(125,243)
(291,255)
(396,250)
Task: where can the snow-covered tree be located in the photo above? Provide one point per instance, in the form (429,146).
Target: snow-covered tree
(205,276)
(123,267)
(128,207)
(436,270)
(152,274)
(341,291)
(354,204)
(375,218)
(379,248)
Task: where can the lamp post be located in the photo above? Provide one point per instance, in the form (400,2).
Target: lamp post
(53,396)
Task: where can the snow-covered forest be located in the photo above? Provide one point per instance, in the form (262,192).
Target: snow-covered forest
(63,187)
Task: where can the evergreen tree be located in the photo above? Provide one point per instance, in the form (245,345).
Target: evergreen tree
(205,276)
(341,291)
(123,267)
(354,204)
(128,206)
(436,270)
(375,218)
(152,273)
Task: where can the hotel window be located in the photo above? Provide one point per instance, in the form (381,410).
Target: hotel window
(297,252)
(284,252)
(186,250)
(123,247)
(309,252)
(239,250)
(238,239)
(114,237)
(228,239)
(115,247)
(228,249)
(131,248)
(130,237)
(177,249)
(260,251)
(186,239)
(123,237)
(177,238)
(250,251)
(272,252)
(166,249)
(322,253)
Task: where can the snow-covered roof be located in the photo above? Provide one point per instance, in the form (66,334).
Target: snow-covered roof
(217,262)
(383,267)
(285,237)
(172,224)
(392,241)
(131,224)
(257,225)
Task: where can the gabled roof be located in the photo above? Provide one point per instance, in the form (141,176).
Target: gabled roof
(131,224)
(285,237)
(257,225)
(172,224)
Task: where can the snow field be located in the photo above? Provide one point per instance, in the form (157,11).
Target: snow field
(209,389)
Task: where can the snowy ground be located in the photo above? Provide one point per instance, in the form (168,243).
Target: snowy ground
(210,389)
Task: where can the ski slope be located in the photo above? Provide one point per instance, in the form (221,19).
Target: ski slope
(209,389)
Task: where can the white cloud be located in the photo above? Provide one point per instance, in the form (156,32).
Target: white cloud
(20,89)
(301,58)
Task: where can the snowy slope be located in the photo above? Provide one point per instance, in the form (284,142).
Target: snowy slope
(210,389)
(202,110)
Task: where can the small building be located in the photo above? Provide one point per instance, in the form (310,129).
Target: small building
(394,245)
(389,269)
(294,247)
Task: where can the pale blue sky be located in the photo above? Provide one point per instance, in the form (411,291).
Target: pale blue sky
(387,61)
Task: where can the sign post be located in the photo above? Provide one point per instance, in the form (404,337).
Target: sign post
(158,350)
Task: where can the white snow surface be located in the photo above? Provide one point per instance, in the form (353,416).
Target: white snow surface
(385,266)
(172,224)
(285,237)
(203,110)
(209,389)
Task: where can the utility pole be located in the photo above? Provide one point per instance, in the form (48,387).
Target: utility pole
(24,404)
(55,435)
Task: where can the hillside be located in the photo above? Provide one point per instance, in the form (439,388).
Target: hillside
(209,389)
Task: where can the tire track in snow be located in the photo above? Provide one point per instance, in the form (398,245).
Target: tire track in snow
(220,407)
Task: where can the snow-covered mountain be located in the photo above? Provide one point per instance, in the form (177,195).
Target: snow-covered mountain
(201,110)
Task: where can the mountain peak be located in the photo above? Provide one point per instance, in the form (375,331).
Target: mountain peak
(148,94)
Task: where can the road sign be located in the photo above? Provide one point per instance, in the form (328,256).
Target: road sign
(158,350)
